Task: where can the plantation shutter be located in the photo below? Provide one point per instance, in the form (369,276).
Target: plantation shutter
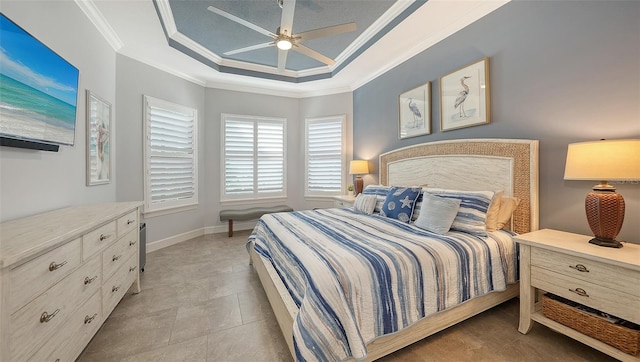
(254,152)
(171,175)
(325,155)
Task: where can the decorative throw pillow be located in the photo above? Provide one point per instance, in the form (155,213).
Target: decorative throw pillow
(494,211)
(472,215)
(437,213)
(507,206)
(381,193)
(399,203)
(418,206)
(365,203)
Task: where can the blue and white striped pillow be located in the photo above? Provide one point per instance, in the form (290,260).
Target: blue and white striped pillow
(365,203)
(472,215)
(381,193)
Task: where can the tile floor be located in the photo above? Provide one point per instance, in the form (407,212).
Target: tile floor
(201,301)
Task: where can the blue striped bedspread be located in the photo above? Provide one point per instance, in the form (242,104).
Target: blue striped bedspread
(357,277)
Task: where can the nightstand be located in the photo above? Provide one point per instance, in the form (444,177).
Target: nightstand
(344,201)
(566,265)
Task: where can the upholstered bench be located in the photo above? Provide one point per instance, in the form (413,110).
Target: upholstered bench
(250,214)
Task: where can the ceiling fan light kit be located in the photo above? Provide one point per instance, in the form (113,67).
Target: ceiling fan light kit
(282,40)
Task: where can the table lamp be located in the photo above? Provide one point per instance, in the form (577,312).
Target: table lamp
(359,167)
(604,161)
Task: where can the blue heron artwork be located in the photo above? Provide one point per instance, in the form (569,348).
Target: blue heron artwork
(414,109)
(464,96)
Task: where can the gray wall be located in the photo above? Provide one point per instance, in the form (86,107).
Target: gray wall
(35,181)
(133,80)
(561,72)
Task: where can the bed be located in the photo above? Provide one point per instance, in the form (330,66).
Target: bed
(310,314)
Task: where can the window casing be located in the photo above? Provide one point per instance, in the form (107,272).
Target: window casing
(170,155)
(253,158)
(324,156)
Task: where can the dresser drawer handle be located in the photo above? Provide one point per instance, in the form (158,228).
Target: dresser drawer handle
(132,243)
(129,222)
(579,291)
(579,267)
(88,319)
(116,257)
(115,289)
(46,317)
(104,237)
(88,280)
(132,268)
(54,266)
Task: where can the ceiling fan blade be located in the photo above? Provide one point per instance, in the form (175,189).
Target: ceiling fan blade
(282,59)
(241,21)
(246,49)
(328,31)
(286,22)
(313,54)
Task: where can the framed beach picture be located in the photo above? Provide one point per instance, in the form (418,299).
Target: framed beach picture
(98,140)
(464,97)
(414,108)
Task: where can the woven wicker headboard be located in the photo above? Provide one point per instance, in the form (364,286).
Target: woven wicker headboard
(472,164)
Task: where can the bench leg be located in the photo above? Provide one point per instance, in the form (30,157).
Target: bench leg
(230,228)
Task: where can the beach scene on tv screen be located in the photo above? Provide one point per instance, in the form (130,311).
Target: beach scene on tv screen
(38,89)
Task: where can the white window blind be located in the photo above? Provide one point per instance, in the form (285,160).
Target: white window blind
(170,155)
(325,156)
(253,157)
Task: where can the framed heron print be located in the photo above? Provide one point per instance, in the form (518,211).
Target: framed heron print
(98,140)
(465,97)
(414,108)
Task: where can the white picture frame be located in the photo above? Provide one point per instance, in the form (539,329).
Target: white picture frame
(98,140)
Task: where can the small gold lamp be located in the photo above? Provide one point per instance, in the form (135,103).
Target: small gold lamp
(610,160)
(359,167)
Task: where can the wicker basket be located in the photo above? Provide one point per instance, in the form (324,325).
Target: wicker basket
(625,339)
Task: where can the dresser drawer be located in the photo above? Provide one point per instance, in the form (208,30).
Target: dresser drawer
(114,289)
(127,223)
(610,276)
(34,277)
(614,302)
(98,239)
(81,325)
(117,254)
(44,316)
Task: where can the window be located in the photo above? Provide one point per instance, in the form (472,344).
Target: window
(325,156)
(171,175)
(253,157)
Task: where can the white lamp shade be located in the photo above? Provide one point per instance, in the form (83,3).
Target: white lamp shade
(606,160)
(359,167)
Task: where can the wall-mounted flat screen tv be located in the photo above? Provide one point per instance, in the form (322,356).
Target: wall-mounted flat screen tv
(38,90)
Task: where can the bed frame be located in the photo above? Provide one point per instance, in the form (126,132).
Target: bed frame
(467,164)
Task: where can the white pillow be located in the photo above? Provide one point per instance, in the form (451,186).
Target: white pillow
(365,203)
(437,213)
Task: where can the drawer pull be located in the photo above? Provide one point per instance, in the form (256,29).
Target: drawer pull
(132,268)
(129,222)
(88,319)
(46,317)
(116,257)
(579,291)
(104,237)
(54,266)
(132,243)
(115,289)
(88,280)
(579,267)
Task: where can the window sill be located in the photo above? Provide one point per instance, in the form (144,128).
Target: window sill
(168,211)
(254,201)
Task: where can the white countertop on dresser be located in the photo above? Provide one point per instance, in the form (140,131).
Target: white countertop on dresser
(25,238)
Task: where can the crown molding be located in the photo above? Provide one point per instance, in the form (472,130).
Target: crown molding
(94,15)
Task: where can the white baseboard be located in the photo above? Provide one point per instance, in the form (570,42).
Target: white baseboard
(172,240)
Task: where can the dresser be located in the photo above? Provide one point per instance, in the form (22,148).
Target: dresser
(566,265)
(61,274)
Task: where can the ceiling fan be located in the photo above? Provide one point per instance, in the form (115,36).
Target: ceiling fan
(283,38)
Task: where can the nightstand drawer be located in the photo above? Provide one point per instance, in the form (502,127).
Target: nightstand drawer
(607,275)
(614,302)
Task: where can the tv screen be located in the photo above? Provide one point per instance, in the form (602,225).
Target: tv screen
(38,89)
